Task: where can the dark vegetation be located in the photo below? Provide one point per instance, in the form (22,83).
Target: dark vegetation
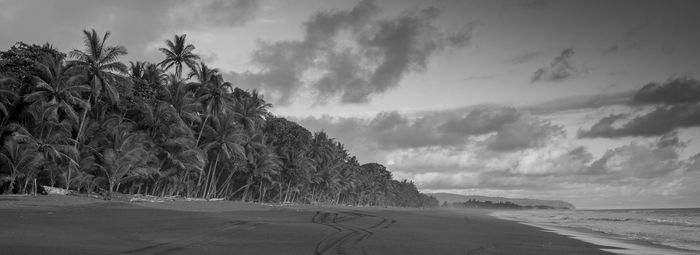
(85,121)
(473,203)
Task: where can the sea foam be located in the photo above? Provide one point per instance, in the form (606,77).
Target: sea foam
(675,228)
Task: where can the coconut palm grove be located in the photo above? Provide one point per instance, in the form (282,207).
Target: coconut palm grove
(86,122)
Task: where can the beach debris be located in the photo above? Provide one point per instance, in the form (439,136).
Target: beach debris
(156,199)
(57,191)
(149,198)
(203,199)
(138,199)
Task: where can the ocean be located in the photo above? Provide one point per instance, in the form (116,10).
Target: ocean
(675,228)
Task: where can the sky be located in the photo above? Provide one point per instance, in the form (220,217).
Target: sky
(592,102)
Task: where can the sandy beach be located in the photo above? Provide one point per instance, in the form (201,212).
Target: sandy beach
(80,225)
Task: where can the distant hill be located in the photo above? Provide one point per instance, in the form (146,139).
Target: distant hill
(454,198)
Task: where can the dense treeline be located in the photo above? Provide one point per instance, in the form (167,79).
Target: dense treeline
(87,122)
(473,203)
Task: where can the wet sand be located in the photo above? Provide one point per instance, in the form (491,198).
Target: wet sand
(75,225)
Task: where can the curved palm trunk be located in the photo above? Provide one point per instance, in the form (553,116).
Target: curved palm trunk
(260,191)
(212,182)
(13,179)
(81,126)
(68,178)
(247,187)
(202,129)
(286,195)
(111,186)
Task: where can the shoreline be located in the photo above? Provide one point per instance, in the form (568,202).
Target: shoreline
(70,225)
(622,246)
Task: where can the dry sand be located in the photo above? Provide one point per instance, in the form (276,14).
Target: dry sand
(81,225)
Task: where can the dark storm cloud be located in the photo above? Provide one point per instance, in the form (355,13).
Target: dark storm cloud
(283,63)
(506,129)
(603,126)
(661,120)
(676,104)
(134,24)
(671,92)
(385,50)
(561,68)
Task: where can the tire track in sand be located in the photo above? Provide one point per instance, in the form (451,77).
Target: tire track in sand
(183,243)
(351,229)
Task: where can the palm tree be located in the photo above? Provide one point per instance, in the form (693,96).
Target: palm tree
(154,75)
(215,96)
(51,136)
(158,121)
(179,95)
(147,73)
(263,165)
(178,53)
(124,153)
(136,69)
(251,111)
(58,89)
(7,98)
(204,74)
(222,138)
(296,169)
(261,162)
(100,64)
(148,80)
(19,158)
(57,84)
(182,160)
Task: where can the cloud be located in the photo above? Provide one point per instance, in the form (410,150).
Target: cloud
(560,69)
(693,163)
(560,166)
(582,102)
(134,24)
(659,121)
(481,120)
(523,134)
(640,160)
(494,128)
(672,92)
(674,104)
(513,130)
(379,54)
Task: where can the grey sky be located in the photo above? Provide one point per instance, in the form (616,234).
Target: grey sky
(595,102)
